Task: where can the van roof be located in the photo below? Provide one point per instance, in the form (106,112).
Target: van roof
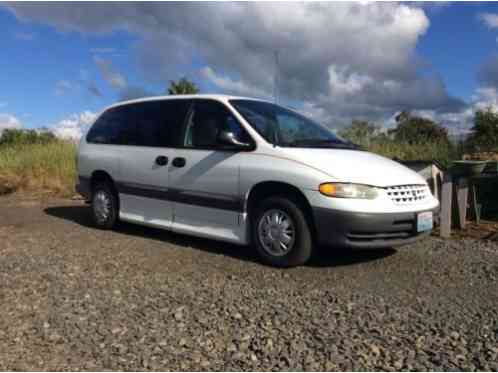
(217,97)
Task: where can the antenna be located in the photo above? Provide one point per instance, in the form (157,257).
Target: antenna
(275,78)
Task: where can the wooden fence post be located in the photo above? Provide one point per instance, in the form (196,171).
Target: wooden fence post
(446,199)
(462,199)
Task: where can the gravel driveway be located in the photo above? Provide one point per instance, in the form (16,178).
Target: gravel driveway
(73,297)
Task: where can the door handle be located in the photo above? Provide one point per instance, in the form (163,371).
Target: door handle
(162,160)
(179,162)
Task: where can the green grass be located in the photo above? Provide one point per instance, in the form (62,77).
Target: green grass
(442,152)
(47,167)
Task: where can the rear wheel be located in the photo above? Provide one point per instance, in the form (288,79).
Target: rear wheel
(281,232)
(105,210)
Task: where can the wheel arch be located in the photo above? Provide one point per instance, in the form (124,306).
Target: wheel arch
(265,189)
(101,176)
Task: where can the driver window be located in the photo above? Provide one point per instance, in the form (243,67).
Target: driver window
(207,120)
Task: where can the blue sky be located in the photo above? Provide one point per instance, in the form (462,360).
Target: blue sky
(59,61)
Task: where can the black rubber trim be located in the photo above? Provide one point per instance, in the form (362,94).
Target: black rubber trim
(366,230)
(217,201)
(141,190)
(212,200)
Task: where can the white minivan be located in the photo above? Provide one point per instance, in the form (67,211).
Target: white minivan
(247,171)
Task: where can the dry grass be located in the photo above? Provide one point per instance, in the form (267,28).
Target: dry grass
(38,167)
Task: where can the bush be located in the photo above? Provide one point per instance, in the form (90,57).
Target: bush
(414,138)
(360,132)
(18,137)
(441,151)
(485,132)
(415,130)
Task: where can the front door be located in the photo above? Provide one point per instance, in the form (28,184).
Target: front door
(204,179)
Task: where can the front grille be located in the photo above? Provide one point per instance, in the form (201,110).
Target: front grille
(408,194)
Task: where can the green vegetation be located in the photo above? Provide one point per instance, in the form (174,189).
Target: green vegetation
(413,138)
(17,137)
(39,161)
(182,87)
(36,162)
(485,132)
(416,130)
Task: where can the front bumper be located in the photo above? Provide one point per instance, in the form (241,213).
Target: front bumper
(358,230)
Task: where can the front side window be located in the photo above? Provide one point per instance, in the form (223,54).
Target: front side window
(207,119)
(284,127)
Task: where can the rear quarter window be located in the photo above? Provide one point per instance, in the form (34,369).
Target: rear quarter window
(108,127)
(155,123)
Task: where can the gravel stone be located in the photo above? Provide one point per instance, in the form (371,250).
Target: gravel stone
(73,297)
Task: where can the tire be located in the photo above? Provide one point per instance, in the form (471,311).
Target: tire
(107,218)
(296,253)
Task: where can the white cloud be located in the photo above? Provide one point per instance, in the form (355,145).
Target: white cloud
(64,86)
(350,59)
(114,78)
(461,122)
(75,126)
(8,121)
(3,104)
(489,19)
(344,85)
(229,85)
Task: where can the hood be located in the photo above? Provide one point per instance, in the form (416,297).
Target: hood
(354,166)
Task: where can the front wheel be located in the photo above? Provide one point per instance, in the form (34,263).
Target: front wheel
(281,232)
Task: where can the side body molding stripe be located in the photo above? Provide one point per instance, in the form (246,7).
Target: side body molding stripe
(211,200)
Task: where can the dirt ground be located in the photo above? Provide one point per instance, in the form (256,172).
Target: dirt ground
(74,297)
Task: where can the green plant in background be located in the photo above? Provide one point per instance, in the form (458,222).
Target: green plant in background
(414,138)
(361,132)
(412,129)
(485,132)
(441,151)
(37,163)
(17,136)
(182,87)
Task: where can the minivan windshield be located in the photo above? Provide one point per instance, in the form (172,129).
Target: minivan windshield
(285,127)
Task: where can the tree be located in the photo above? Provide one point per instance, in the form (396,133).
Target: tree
(412,129)
(182,87)
(485,131)
(360,132)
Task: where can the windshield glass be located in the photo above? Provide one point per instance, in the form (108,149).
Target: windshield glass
(284,127)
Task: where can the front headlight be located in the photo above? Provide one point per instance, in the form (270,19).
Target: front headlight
(345,190)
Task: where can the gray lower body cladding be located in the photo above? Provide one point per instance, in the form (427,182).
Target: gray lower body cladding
(365,230)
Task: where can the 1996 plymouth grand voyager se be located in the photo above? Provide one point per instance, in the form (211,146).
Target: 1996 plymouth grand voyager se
(249,172)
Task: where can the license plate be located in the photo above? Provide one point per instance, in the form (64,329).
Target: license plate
(424,221)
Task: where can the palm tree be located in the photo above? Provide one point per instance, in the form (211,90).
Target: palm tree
(182,87)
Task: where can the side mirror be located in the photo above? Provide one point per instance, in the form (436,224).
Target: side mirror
(228,139)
